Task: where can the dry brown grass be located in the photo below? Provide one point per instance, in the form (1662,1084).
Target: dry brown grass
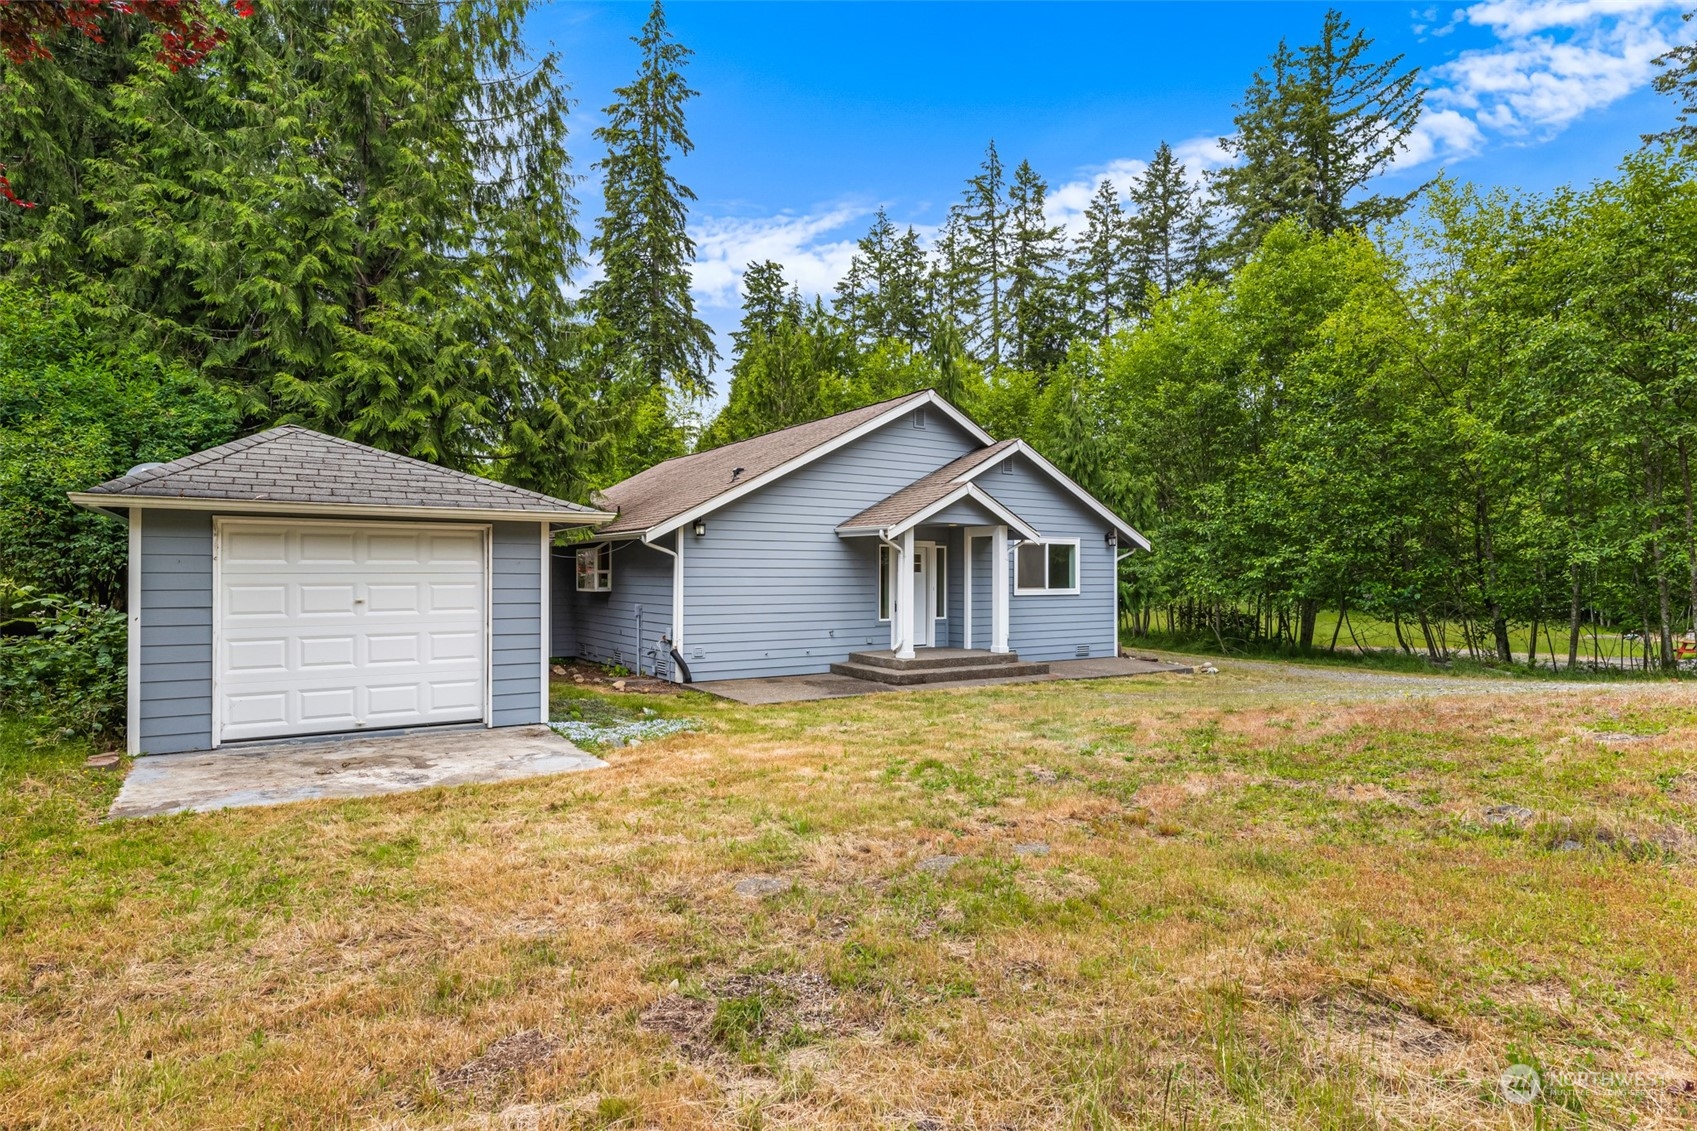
(1266,902)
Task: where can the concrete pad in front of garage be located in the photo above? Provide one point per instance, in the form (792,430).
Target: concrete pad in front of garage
(274,773)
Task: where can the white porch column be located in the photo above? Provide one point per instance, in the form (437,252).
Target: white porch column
(904,596)
(999,589)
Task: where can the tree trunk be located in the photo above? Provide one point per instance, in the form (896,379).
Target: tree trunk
(1426,631)
(1573,621)
(1309,610)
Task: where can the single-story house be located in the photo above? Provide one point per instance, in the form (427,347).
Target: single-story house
(785,554)
(292,583)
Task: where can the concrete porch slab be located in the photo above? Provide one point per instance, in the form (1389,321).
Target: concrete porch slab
(800,688)
(305,769)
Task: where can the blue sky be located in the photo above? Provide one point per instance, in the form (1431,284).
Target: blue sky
(811,115)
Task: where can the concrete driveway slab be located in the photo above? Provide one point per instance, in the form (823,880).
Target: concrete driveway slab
(276,773)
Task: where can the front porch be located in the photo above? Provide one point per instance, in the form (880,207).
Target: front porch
(935,665)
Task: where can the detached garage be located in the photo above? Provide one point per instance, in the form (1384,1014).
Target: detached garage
(292,583)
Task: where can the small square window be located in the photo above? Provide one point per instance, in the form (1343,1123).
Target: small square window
(595,568)
(919,418)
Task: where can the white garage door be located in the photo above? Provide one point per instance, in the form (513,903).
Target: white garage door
(339,626)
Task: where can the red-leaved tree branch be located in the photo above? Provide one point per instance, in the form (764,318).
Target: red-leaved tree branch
(186,35)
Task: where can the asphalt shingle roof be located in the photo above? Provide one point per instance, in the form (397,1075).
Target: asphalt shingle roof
(894,509)
(669,489)
(291,464)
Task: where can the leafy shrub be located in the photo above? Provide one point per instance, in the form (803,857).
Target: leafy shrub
(70,677)
(73,415)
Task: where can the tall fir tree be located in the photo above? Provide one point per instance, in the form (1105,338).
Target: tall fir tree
(1039,331)
(377,245)
(642,238)
(981,267)
(1312,131)
(1101,269)
(769,302)
(883,295)
(1170,227)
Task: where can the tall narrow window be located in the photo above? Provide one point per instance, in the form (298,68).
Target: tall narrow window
(595,568)
(940,564)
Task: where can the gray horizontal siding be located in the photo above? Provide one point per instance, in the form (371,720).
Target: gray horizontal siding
(515,606)
(175,607)
(602,627)
(1042,627)
(772,589)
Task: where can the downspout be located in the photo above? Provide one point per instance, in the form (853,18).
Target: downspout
(676,634)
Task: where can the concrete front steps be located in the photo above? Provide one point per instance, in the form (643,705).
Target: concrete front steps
(936,665)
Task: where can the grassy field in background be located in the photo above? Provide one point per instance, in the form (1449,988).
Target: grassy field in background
(1275,897)
(1371,633)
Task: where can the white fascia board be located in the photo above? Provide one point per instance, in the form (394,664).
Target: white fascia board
(895,412)
(976,494)
(1064,480)
(348,510)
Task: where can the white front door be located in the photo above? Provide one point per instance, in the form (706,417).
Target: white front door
(345,626)
(925,594)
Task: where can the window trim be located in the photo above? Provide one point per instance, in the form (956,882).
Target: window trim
(940,578)
(604,554)
(1045,591)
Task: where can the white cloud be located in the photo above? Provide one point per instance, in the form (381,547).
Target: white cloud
(1067,202)
(1555,62)
(814,249)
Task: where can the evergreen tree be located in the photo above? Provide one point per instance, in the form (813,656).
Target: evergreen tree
(1679,79)
(1170,227)
(1101,269)
(1036,303)
(883,294)
(376,244)
(980,270)
(642,237)
(1312,131)
(769,302)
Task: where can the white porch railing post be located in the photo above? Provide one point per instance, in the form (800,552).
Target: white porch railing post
(999,589)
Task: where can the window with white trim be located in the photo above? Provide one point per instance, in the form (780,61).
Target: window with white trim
(940,571)
(595,568)
(1046,567)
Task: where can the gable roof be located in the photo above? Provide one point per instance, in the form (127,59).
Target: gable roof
(678,491)
(291,469)
(893,512)
(1020,447)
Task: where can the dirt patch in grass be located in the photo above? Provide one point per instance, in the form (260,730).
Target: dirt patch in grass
(1375,1031)
(747,1015)
(486,1076)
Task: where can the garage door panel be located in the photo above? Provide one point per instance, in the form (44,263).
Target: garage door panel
(390,599)
(257,547)
(256,601)
(264,655)
(340,627)
(396,648)
(320,652)
(320,548)
(319,600)
(269,708)
(446,549)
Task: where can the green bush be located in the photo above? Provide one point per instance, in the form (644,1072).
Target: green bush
(68,679)
(72,415)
